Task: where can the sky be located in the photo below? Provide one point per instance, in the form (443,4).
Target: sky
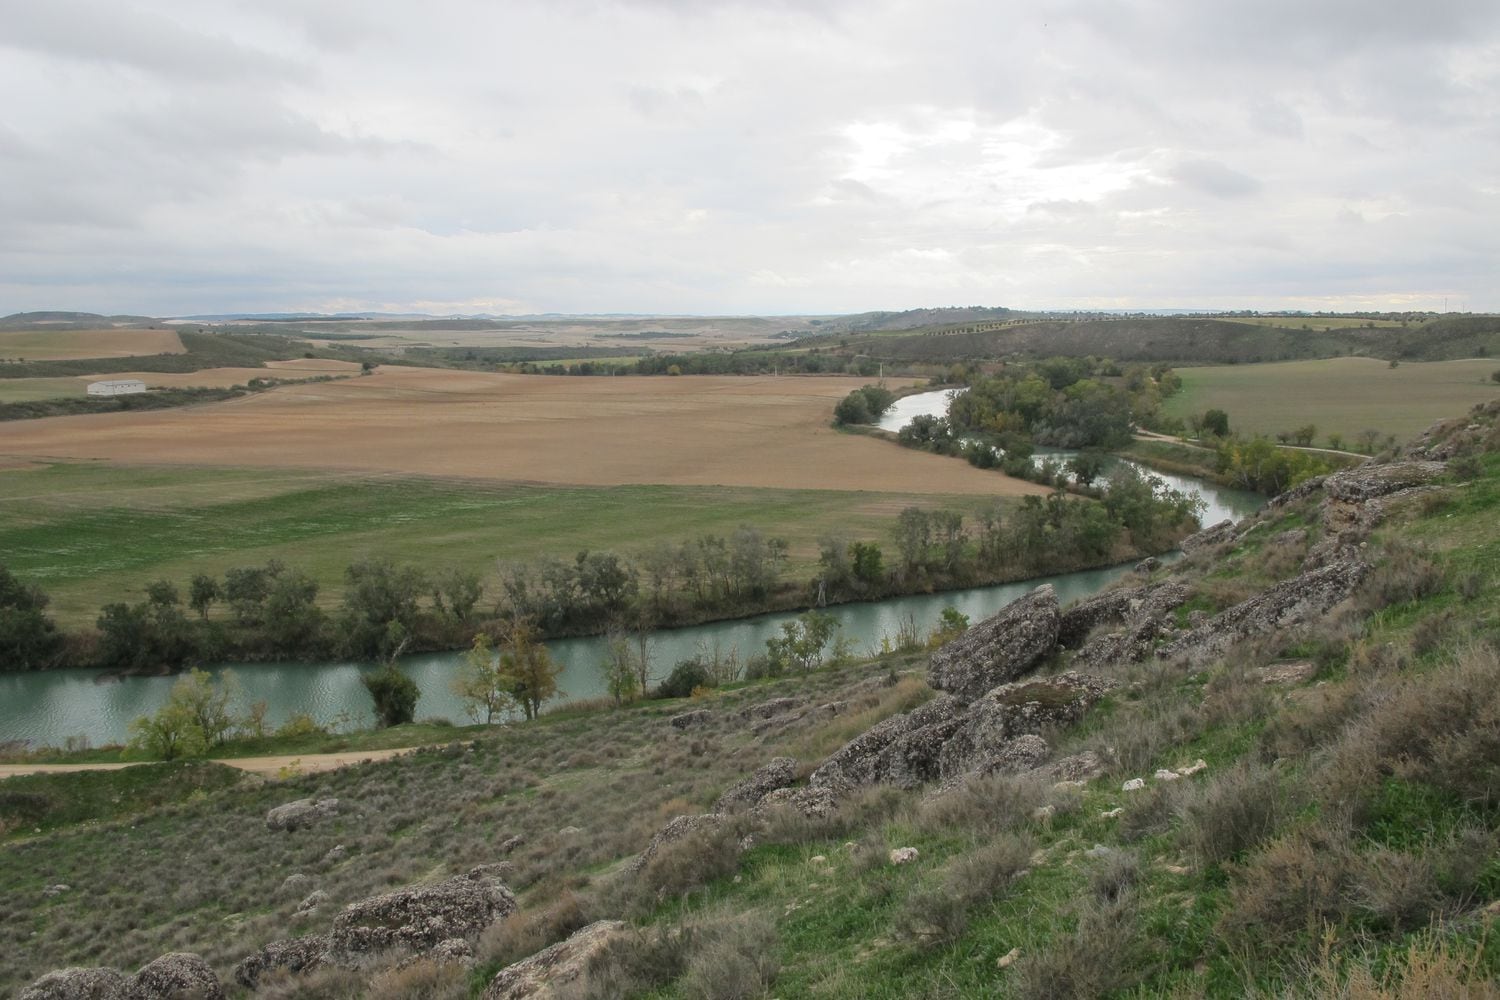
(764,156)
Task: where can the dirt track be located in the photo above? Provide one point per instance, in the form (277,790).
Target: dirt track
(270,767)
(690,431)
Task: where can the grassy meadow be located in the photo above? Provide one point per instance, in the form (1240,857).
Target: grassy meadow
(1339,395)
(90,533)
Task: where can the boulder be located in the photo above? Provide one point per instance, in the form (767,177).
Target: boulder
(509,844)
(541,976)
(1146,566)
(1080,766)
(296,884)
(1145,623)
(1301,491)
(79,984)
(418,917)
(177,976)
(688,720)
(863,761)
(779,772)
(292,955)
(1216,534)
(766,709)
(810,802)
(1290,603)
(1001,648)
(1367,481)
(1136,606)
(682,826)
(301,813)
(311,902)
(986,740)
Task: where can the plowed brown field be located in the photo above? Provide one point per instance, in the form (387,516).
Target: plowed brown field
(730,431)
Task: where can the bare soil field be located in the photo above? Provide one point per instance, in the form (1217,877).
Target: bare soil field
(67,345)
(16,390)
(693,431)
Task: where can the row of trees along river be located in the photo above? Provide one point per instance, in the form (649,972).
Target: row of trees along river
(73,705)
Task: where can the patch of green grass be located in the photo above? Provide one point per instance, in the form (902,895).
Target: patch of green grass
(1342,396)
(28,390)
(90,533)
(36,803)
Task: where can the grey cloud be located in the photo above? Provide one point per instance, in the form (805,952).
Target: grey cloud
(1216,179)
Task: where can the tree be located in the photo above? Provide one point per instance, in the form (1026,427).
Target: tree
(294,622)
(1216,423)
(207,702)
(800,645)
(480,684)
(394,693)
(28,638)
(1086,466)
(618,667)
(529,672)
(455,593)
(194,719)
(377,594)
(169,734)
(202,593)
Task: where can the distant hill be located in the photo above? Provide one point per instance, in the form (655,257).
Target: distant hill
(70,321)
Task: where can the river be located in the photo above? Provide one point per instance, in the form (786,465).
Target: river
(47,708)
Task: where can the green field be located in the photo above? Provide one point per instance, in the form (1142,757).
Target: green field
(1340,396)
(29,390)
(89,533)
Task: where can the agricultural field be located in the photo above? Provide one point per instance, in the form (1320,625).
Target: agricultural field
(90,533)
(69,345)
(1342,396)
(21,390)
(659,333)
(704,431)
(1324,323)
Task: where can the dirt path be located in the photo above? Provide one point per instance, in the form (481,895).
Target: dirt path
(271,767)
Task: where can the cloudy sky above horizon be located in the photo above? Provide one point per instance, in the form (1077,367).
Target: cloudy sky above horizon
(775,156)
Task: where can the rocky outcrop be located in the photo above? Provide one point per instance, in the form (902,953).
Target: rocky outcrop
(810,802)
(1075,767)
(682,826)
(1287,604)
(300,813)
(177,976)
(541,976)
(293,955)
(1145,624)
(864,760)
(1001,648)
(1216,534)
(1135,606)
(779,772)
(418,917)
(1301,491)
(989,736)
(80,984)
(1368,481)
(768,708)
(690,720)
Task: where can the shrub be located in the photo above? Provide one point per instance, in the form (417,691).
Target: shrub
(1285,893)
(1090,962)
(394,693)
(1232,812)
(940,915)
(684,678)
(736,961)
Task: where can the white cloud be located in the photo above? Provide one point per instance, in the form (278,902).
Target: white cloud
(590,155)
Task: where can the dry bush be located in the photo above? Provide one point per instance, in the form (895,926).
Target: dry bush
(1115,874)
(1290,889)
(1396,890)
(1406,574)
(1151,811)
(1137,735)
(678,869)
(529,930)
(1311,719)
(726,958)
(939,915)
(1232,697)
(422,980)
(1092,961)
(1431,968)
(736,961)
(984,807)
(1232,812)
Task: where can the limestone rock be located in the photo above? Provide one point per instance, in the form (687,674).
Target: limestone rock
(779,772)
(768,708)
(1367,481)
(1079,619)
(1146,566)
(292,955)
(541,976)
(418,917)
(1301,491)
(1289,603)
(864,760)
(511,843)
(311,902)
(1216,534)
(296,884)
(1133,785)
(813,803)
(688,720)
(674,831)
(903,855)
(986,741)
(1080,766)
(300,813)
(1145,614)
(79,984)
(56,890)
(1001,648)
(1292,672)
(177,976)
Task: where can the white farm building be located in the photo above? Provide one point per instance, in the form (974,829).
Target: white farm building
(116,387)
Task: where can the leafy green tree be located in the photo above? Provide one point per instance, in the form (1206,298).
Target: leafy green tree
(170,733)
(1215,423)
(618,667)
(865,558)
(913,538)
(377,594)
(294,622)
(207,702)
(28,638)
(202,593)
(952,623)
(1086,467)
(480,684)
(801,643)
(529,672)
(456,592)
(395,695)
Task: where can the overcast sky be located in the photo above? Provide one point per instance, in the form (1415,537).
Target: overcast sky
(712,156)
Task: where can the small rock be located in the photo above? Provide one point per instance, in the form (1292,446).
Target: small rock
(300,813)
(296,884)
(817,859)
(1294,672)
(1008,959)
(178,974)
(687,720)
(335,854)
(56,890)
(903,855)
(1043,813)
(1112,813)
(1133,785)
(1195,767)
(570,831)
(511,843)
(1163,774)
(1098,851)
(311,902)
(1147,565)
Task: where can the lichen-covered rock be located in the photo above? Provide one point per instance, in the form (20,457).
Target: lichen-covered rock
(863,761)
(985,742)
(1145,624)
(292,955)
(1289,603)
(1001,648)
(1365,482)
(1301,491)
(689,720)
(1216,534)
(541,976)
(1080,766)
(813,803)
(768,708)
(311,902)
(418,917)
(296,884)
(1138,607)
(301,813)
(79,984)
(682,826)
(177,976)
(779,772)
(1146,566)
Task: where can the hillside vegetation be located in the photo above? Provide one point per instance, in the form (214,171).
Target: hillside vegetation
(1270,769)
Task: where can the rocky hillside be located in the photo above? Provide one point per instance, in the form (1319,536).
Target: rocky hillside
(1269,768)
